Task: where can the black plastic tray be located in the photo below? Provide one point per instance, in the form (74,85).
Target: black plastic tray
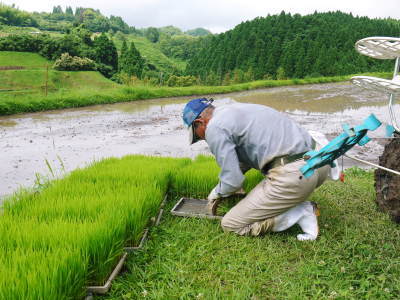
(189,207)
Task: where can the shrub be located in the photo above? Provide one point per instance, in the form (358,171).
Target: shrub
(74,63)
(181,80)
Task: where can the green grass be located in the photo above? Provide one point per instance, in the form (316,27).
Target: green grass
(31,80)
(25,59)
(23,90)
(70,234)
(356,256)
(152,53)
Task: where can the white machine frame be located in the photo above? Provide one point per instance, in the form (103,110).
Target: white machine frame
(381,48)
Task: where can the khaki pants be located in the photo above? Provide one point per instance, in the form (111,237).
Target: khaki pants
(283,188)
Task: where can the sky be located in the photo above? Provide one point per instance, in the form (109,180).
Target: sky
(214,15)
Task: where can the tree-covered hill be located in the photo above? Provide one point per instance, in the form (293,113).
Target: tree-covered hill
(275,47)
(291,46)
(164,50)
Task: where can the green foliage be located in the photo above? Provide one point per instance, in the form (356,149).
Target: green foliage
(13,16)
(198,32)
(21,42)
(45,45)
(63,21)
(76,89)
(170,30)
(57,10)
(77,43)
(131,62)
(292,46)
(280,74)
(69,11)
(155,59)
(152,34)
(93,20)
(105,53)
(181,80)
(179,46)
(75,34)
(74,63)
(212,79)
(117,24)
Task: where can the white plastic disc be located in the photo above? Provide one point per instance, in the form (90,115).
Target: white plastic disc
(379,47)
(377,84)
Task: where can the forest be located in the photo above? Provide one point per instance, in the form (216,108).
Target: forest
(291,46)
(283,46)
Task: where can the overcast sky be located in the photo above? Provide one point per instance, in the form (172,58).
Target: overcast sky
(215,15)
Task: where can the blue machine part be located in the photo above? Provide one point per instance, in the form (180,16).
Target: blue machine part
(339,145)
(389,130)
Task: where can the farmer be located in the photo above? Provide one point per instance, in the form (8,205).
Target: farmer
(244,136)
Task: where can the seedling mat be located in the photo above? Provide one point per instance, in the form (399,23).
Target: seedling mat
(195,208)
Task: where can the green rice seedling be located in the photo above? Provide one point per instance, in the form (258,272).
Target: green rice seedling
(36,235)
(42,274)
(199,178)
(253,177)
(87,217)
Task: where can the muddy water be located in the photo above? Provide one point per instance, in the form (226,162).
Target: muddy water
(73,138)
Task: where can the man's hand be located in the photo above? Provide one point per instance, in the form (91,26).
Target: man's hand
(240,192)
(213,195)
(213,201)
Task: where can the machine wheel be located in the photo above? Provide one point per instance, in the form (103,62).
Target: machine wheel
(387,185)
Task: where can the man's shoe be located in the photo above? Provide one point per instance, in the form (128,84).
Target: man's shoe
(309,222)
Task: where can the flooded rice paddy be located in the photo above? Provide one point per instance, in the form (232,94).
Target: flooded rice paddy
(72,138)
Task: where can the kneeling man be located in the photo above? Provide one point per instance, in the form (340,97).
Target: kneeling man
(244,136)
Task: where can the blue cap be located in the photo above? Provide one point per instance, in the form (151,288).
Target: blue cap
(191,112)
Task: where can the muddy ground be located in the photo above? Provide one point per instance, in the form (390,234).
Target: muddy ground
(74,138)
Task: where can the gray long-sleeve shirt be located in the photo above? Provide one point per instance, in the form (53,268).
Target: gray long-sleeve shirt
(243,136)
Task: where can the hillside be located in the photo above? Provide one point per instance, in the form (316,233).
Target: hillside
(32,77)
(151,52)
(165,50)
(292,46)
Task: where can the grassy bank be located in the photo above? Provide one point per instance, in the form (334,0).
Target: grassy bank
(31,81)
(151,52)
(84,96)
(356,256)
(70,234)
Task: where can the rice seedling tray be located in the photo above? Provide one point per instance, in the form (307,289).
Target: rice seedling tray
(190,207)
(142,241)
(106,287)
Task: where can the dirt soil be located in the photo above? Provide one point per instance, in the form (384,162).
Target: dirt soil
(387,185)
